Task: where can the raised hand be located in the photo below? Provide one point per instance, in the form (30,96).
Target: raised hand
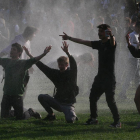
(47,49)
(109,32)
(65,47)
(64,36)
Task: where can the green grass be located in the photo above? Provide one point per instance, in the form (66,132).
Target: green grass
(60,130)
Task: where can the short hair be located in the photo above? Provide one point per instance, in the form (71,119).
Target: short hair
(18,47)
(63,59)
(103,26)
(29,30)
(137,24)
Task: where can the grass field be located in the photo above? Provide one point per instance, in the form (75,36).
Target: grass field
(59,130)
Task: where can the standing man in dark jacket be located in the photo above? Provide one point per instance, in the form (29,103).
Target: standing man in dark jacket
(105,79)
(65,81)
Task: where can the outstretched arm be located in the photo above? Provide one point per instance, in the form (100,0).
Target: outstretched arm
(76,40)
(47,49)
(73,64)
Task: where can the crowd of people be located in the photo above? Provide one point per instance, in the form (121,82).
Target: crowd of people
(71,16)
(109,22)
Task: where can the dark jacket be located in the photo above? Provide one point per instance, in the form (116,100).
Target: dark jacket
(65,82)
(135,52)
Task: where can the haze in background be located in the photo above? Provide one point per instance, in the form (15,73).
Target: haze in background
(78,18)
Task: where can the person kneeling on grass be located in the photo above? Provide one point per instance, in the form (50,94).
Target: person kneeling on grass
(15,71)
(65,81)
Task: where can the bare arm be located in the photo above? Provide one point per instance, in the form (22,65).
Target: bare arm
(112,41)
(73,65)
(112,38)
(128,39)
(76,40)
(37,58)
(65,48)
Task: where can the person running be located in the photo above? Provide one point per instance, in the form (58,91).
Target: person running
(66,89)
(15,71)
(105,79)
(136,53)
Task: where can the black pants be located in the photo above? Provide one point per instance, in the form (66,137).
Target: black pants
(98,88)
(17,103)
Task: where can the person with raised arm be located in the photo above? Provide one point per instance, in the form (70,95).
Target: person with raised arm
(66,89)
(15,71)
(135,53)
(23,39)
(105,79)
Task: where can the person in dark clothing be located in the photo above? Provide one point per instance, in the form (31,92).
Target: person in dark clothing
(105,79)
(136,53)
(15,71)
(66,89)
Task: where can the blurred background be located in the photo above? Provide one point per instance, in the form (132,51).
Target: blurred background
(77,18)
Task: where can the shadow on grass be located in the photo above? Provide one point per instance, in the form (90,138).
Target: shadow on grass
(28,129)
(39,128)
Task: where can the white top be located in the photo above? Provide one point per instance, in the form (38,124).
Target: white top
(134,40)
(20,40)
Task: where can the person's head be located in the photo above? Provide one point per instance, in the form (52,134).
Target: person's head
(127,22)
(137,27)
(29,32)
(63,63)
(114,22)
(101,31)
(16,51)
(86,58)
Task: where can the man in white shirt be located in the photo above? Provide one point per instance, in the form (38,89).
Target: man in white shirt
(22,39)
(133,64)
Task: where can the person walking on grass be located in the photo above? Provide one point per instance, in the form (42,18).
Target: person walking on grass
(135,53)
(15,71)
(105,79)
(66,89)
